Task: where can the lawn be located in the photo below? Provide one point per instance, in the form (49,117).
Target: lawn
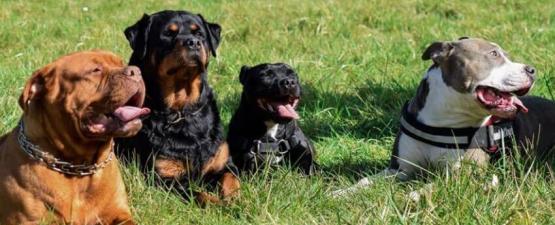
(358,60)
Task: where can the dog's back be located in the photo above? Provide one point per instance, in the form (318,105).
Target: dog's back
(535,128)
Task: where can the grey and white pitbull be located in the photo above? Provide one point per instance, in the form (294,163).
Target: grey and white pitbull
(465,107)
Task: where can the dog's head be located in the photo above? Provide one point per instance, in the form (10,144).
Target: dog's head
(482,71)
(92,95)
(175,43)
(273,88)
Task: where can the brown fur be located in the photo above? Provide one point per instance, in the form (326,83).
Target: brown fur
(31,193)
(170,168)
(228,183)
(180,82)
(218,161)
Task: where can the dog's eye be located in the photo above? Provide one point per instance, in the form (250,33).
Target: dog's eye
(197,33)
(494,53)
(97,70)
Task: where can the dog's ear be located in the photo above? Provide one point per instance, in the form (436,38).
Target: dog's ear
(137,35)
(243,74)
(213,31)
(33,90)
(437,51)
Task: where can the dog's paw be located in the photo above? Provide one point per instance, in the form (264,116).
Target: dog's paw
(416,195)
(492,184)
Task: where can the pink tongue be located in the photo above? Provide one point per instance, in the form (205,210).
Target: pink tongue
(287,111)
(520,105)
(128,113)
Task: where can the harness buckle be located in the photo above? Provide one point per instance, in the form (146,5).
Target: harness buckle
(273,151)
(498,135)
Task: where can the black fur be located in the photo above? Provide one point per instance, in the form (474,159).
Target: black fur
(192,134)
(248,122)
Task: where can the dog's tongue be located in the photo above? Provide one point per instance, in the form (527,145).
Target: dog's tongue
(128,113)
(519,105)
(287,111)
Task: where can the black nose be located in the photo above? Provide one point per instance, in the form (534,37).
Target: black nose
(192,43)
(132,71)
(530,70)
(288,83)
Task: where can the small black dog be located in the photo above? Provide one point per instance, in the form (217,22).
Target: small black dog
(264,130)
(182,139)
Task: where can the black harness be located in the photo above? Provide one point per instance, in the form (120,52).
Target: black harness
(491,138)
(268,150)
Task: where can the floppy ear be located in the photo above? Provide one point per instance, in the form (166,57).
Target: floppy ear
(213,31)
(437,51)
(243,74)
(137,35)
(34,89)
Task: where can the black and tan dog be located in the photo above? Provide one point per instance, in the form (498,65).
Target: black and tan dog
(264,130)
(57,166)
(182,140)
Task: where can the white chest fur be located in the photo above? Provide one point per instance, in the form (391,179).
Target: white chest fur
(271,128)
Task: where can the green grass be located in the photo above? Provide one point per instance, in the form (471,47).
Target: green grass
(358,60)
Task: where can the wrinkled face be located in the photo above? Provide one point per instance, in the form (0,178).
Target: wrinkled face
(91,94)
(176,43)
(482,69)
(273,88)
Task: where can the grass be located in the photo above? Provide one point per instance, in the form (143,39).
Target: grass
(358,60)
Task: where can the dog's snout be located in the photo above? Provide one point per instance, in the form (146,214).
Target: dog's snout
(289,83)
(192,43)
(530,70)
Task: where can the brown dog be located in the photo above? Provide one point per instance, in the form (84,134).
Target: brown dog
(58,166)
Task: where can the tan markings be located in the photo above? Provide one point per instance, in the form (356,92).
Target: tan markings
(229,186)
(194,27)
(169,168)
(178,93)
(180,79)
(173,28)
(218,161)
(204,198)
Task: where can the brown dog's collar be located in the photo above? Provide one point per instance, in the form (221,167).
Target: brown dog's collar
(56,164)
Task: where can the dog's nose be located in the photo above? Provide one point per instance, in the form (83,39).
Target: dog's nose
(132,71)
(530,70)
(289,83)
(192,43)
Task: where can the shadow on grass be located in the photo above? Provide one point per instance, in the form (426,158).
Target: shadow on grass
(352,170)
(369,112)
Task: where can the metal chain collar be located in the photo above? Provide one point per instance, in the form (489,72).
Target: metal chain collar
(53,163)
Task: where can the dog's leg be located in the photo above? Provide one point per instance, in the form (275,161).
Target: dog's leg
(303,158)
(228,182)
(302,153)
(124,221)
(229,186)
(204,198)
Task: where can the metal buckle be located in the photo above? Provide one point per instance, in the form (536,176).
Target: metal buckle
(498,134)
(285,144)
